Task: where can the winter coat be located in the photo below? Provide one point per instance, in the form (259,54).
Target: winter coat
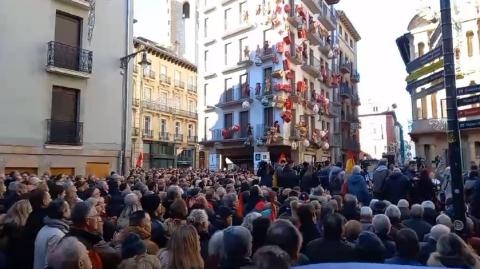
(308,181)
(32,227)
(287,178)
(47,239)
(397,186)
(420,226)
(324,250)
(423,190)
(437,260)
(309,233)
(379,176)
(89,240)
(358,187)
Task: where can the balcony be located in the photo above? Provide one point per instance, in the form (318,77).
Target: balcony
(165,79)
(136,102)
(312,67)
(150,74)
(147,134)
(334,110)
(355,77)
(324,47)
(356,99)
(327,17)
(314,37)
(179,84)
(64,132)
(164,136)
(345,90)
(192,139)
(267,54)
(313,5)
(216,135)
(68,60)
(135,131)
(178,137)
(346,67)
(428,126)
(234,96)
(184,113)
(295,58)
(192,88)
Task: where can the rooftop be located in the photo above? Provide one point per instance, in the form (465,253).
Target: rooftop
(350,28)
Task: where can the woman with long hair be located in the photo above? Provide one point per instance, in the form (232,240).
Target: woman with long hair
(183,250)
(423,188)
(453,252)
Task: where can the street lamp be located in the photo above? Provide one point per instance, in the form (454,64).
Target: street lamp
(124,65)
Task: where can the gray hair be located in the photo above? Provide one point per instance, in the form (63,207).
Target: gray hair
(67,253)
(381,224)
(444,219)
(403,203)
(366,212)
(416,211)
(428,204)
(372,203)
(438,230)
(393,211)
(356,169)
(350,198)
(198,216)
(92,201)
(249,218)
(229,199)
(80,212)
(215,245)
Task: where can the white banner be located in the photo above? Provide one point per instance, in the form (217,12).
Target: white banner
(214,161)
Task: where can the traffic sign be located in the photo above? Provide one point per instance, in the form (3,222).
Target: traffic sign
(415,84)
(469,124)
(468,90)
(468,100)
(474,111)
(425,59)
(430,90)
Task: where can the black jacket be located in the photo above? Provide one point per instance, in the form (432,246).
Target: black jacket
(420,226)
(33,225)
(309,233)
(324,250)
(396,187)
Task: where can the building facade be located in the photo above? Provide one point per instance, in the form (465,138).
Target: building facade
(429,112)
(275,90)
(61,93)
(164,109)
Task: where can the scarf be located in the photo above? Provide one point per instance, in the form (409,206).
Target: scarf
(62,225)
(142,232)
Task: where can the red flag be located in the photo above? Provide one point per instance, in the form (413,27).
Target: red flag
(140,160)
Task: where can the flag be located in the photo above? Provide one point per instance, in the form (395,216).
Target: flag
(140,160)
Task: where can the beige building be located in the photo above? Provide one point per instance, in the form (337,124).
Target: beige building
(164,108)
(429,111)
(61,85)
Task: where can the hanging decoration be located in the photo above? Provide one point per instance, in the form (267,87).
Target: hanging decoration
(306,143)
(288,104)
(302,129)
(272,135)
(265,101)
(316,136)
(246,104)
(301,86)
(258,88)
(91,20)
(325,146)
(315,108)
(294,145)
(286,116)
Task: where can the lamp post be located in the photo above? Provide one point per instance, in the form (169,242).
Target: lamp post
(124,65)
(453,133)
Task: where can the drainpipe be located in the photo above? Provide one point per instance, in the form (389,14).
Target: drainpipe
(122,161)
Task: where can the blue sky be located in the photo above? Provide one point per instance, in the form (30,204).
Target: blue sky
(379,23)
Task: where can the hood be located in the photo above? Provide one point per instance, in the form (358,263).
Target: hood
(356,179)
(381,168)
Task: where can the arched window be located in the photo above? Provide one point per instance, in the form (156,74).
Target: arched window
(470,43)
(421,49)
(186,10)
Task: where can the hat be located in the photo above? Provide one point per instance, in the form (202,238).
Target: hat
(379,207)
(132,246)
(223,212)
(150,202)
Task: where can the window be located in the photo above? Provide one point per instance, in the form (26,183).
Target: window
(186,10)
(268,116)
(477,150)
(244,120)
(177,78)
(191,106)
(421,49)
(470,43)
(269,35)
(190,83)
(242,47)
(244,86)
(205,27)
(228,120)
(178,102)
(243,13)
(68,32)
(178,128)
(226,18)
(340,30)
(163,126)
(163,98)
(433,99)
(147,125)
(205,61)
(424,108)
(228,90)
(228,48)
(443,104)
(147,94)
(205,89)
(63,126)
(191,131)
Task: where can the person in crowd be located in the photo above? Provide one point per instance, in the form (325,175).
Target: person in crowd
(408,248)
(353,228)
(308,228)
(429,212)
(269,257)
(134,254)
(369,248)
(152,205)
(178,213)
(453,252)
(265,172)
(379,177)
(69,253)
(332,247)
(430,245)
(71,195)
(259,232)
(445,220)
(132,204)
(394,215)
(237,243)
(397,186)
(16,190)
(416,222)
(287,177)
(183,250)
(350,208)
(423,188)
(224,218)
(215,250)
(358,186)
(366,215)
(248,220)
(198,218)
(381,227)
(140,223)
(404,207)
(284,234)
(56,227)
(308,179)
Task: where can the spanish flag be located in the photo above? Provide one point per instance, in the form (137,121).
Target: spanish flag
(350,163)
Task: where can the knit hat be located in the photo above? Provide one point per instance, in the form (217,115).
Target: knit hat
(132,246)
(150,202)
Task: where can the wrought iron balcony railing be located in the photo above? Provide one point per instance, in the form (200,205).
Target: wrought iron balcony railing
(68,57)
(64,132)
(165,79)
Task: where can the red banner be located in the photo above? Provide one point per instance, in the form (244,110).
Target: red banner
(474,111)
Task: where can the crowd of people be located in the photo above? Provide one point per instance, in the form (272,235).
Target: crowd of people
(278,217)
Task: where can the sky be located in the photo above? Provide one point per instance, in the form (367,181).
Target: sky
(379,23)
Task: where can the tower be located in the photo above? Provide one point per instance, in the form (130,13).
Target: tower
(184,29)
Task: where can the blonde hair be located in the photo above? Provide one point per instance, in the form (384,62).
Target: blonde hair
(18,213)
(143,261)
(184,249)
